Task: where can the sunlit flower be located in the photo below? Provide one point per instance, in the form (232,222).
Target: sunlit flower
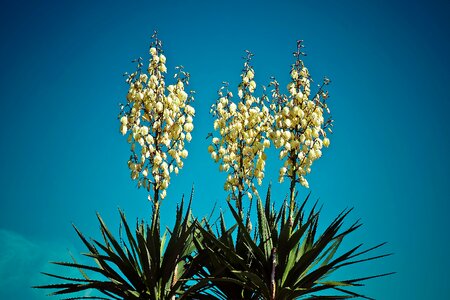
(158,120)
(243,128)
(299,124)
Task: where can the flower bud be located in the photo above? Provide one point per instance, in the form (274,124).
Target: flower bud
(144,131)
(240,93)
(162,68)
(188,127)
(294,74)
(189,110)
(232,108)
(250,74)
(123,129)
(188,137)
(157,159)
(214,155)
(159,107)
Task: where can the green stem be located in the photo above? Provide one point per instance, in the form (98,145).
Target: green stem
(155,217)
(241,181)
(273,286)
(293,178)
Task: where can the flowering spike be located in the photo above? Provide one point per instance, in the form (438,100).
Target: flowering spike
(243,127)
(158,120)
(299,123)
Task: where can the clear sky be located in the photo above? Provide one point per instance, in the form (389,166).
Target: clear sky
(62,157)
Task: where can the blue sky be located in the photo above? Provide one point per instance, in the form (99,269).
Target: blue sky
(62,157)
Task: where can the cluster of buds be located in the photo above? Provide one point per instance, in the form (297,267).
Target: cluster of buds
(299,123)
(243,129)
(158,121)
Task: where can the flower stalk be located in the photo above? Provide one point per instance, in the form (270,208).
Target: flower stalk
(243,129)
(158,120)
(299,125)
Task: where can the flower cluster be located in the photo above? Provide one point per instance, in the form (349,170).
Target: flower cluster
(243,128)
(299,123)
(295,123)
(158,121)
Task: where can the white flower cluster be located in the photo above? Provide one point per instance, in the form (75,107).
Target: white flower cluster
(158,120)
(295,123)
(243,129)
(299,127)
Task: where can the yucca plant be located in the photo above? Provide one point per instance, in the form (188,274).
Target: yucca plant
(141,265)
(283,258)
(286,259)
(157,119)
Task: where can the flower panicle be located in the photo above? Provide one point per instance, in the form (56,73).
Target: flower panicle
(158,121)
(300,122)
(242,128)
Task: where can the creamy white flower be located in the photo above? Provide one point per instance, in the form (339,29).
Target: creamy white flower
(188,127)
(163,68)
(123,129)
(250,74)
(214,155)
(188,137)
(184,153)
(159,107)
(157,159)
(232,108)
(294,74)
(183,95)
(304,182)
(189,110)
(144,130)
(240,93)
